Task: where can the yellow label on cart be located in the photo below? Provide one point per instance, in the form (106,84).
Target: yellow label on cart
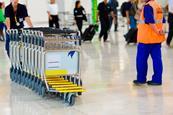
(56,72)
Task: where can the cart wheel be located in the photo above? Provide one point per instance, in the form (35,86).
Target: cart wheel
(73,79)
(79,83)
(72,100)
(11,74)
(33,84)
(23,78)
(79,93)
(36,85)
(57,94)
(30,82)
(66,97)
(21,81)
(68,78)
(20,77)
(43,91)
(15,75)
(62,96)
(26,80)
(40,87)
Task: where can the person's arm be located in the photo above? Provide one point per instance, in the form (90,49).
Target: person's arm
(48,12)
(28,21)
(26,16)
(112,12)
(98,13)
(49,16)
(7,15)
(127,8)
(7,23)
(127,17)
(156,30)
(84,14)
(149,19)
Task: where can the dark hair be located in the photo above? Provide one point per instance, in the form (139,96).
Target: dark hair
(1,5)
(76,4)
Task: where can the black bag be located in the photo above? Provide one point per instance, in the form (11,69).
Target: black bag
(84,17)
(123,9)
(89,33)
(131,36)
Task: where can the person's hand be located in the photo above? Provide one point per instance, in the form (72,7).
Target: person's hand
(50,18)
(31,26)
(128,21)
(161,32)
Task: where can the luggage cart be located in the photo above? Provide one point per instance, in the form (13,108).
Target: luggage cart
(47,63)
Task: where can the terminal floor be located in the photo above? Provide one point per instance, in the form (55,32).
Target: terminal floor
(108,70)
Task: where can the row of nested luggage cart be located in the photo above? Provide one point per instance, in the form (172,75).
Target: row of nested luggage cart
(47,61)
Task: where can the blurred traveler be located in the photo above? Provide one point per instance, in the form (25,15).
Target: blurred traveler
(131,8)
(140,6)
(53,14)
(114,4)
(170,22)
(2,19)
(79,15)
(150,37)
(104,9)
(16,14)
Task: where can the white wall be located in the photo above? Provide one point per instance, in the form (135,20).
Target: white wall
(38,10)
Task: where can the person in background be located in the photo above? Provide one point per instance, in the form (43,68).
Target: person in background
(114,4)
(53,14)
(150,37)
(79,15)
(170,22)
(140,6)
(104,9)
(16,14)
(2,20)
(131,8)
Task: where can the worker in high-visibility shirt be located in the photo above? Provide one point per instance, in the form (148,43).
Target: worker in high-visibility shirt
(150,37)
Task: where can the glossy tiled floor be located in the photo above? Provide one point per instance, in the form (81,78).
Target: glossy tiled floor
(107,71)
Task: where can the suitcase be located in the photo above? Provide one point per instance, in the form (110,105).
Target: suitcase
(89,33)
(131,36)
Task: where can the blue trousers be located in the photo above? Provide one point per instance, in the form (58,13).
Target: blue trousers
(144,50)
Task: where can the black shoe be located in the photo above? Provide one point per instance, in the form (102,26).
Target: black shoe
(153,83)
(105,40)
(138,83)
(168,44)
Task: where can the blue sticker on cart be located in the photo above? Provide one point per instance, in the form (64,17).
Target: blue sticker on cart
(71,53)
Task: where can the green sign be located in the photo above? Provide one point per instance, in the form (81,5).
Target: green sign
(94,11)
